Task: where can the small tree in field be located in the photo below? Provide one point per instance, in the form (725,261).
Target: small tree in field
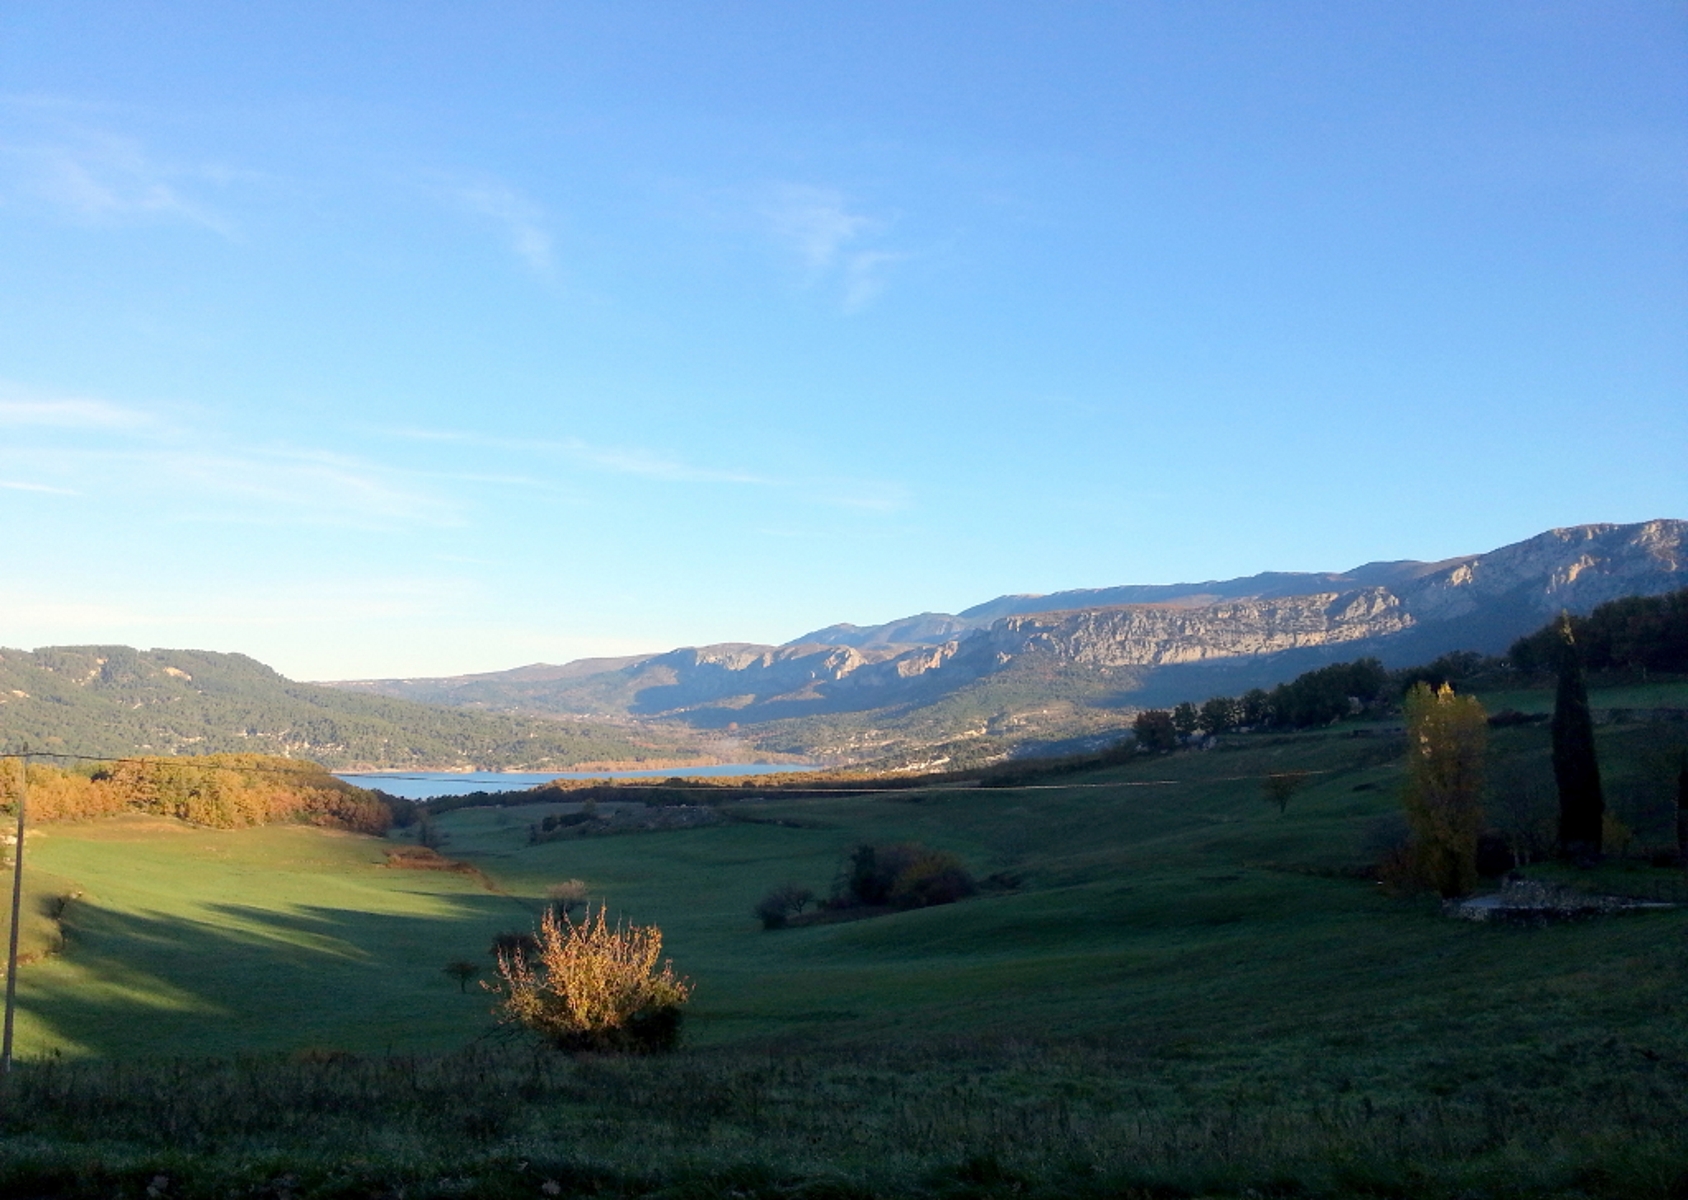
(1278,788)
(463,971)
(592,986)
(1447,739)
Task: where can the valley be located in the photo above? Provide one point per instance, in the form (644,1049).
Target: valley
(1167,946)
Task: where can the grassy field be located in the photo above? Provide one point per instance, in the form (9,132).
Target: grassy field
(1187,993)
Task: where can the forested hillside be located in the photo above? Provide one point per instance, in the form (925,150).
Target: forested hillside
(109,701)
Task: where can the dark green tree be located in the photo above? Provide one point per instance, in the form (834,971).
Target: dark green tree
(1255,708)
(1682,816)
(1186,719)
(1219,715)
(1582,808)
(1154,731)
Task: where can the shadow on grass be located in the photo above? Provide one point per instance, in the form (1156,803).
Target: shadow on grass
(244,978)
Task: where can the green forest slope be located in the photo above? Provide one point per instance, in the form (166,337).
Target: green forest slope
(109,701)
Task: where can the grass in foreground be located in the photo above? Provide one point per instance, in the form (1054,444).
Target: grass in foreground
(942,1118)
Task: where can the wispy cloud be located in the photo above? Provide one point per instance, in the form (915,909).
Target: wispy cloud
(17,486)
(817,223)
(832,239)
(867,495)
(101,178)
(523,220)
(862,495)
(58,413)
(214,475)
(286,485)
(621,460)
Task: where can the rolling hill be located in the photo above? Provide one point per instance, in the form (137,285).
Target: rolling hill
(109,701)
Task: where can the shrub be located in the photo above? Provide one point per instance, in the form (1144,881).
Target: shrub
(935,878)
(781,904)
(513,942)
(1494,855)
(593,987)
(903,875)
(567,896)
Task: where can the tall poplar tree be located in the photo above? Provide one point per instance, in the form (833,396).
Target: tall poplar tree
(1582,808)
(1447,742)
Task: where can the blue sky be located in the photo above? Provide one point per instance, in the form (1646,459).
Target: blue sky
(387,339)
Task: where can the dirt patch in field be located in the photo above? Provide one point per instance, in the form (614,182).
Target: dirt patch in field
(421,858)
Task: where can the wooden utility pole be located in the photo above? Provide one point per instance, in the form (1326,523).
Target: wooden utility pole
(17,906)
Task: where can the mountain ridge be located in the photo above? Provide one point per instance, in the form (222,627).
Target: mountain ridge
(1049,665)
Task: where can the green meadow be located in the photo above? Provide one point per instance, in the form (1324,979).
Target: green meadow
(1171,989)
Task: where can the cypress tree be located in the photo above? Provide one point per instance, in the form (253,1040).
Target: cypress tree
(1682,816)
(1581,807)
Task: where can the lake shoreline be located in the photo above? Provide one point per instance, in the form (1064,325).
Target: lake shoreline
(428,785)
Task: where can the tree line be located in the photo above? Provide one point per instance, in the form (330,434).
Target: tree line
(223,791)
(1637,633)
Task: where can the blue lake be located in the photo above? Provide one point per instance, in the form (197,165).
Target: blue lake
(424,785)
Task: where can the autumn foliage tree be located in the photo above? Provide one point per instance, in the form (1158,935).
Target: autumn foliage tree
(1447,741)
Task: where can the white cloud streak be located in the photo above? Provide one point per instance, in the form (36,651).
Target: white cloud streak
(645,464)
(523,221)
(17,486)
(832,240)
(102,179)
(863,495)
(215,477)
(69,414)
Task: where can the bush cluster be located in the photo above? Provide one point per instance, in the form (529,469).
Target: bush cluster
(901,875)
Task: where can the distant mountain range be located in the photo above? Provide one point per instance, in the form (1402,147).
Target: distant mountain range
(1026,669)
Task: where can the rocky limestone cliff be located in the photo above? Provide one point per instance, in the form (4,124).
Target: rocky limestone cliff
(1174,642)
(1155,635)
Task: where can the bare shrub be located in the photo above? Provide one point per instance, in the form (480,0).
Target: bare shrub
(591,986)
(781,904)
(1522,806)
(567,896)
(513,942)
